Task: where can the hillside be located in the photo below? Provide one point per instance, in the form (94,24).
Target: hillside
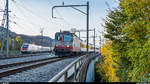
(47,41)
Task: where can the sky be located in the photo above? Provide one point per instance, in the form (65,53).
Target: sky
(29,16)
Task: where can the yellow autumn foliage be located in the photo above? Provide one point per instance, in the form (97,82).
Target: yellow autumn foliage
(107,52)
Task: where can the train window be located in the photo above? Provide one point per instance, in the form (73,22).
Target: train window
(59,37)
(67,38)
(25,46)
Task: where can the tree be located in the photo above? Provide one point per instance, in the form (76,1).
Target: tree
(108,65)
(137,29)
(128,28)
(18,42)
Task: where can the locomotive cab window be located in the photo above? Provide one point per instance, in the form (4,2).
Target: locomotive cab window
(59,37)
(67,38)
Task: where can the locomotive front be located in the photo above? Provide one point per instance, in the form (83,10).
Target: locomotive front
(63,43)
(24,48)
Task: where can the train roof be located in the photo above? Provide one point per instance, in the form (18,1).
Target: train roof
(61,32)
(67,32)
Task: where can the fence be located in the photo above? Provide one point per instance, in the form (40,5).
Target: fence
(76,71)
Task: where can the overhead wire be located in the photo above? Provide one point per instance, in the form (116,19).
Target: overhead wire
(64,20)
(21,11)
(2,5)
(25,20)
(29,11)
(2,8)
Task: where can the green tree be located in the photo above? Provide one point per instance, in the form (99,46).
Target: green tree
(18,42)
(128,28)
(137,29)
(114,28)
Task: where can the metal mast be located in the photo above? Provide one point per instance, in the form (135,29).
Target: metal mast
(7,26)
(94,40)
(86,13)
(87,49)
(41,31)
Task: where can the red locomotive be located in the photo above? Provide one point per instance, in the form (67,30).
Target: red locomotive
(68,43)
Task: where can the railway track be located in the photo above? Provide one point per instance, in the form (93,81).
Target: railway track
(22,55)
(9,69)
(25,62)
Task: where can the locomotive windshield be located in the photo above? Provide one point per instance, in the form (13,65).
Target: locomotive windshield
(25,46)
(60,36)
(67,38)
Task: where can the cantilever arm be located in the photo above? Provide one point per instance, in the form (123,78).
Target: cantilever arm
(79,10)
(2,11)
(53,12)
(73,6)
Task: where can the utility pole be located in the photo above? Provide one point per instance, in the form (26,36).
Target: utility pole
(87,27)
(86,13)
(41,31)
(79,34)
(7,26)
(94,40)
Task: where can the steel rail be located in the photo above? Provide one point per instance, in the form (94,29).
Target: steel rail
(24,62)
(27,67)
(22,55)
(21,68)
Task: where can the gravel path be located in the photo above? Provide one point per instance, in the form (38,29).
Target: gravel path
(40,74)
(22,59)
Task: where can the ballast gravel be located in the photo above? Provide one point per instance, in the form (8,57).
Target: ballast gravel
(39,74)
(22,59)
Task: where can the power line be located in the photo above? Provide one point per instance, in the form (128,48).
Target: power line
(65,21)
(41,31)
(2,5)
(20,26)
(20,8)
(21,11)
(14,22)
(31,12)
(25,20)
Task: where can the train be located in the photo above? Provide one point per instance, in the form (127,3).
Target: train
(32,48)
(69,43)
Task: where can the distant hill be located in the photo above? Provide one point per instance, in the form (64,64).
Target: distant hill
(47,41)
